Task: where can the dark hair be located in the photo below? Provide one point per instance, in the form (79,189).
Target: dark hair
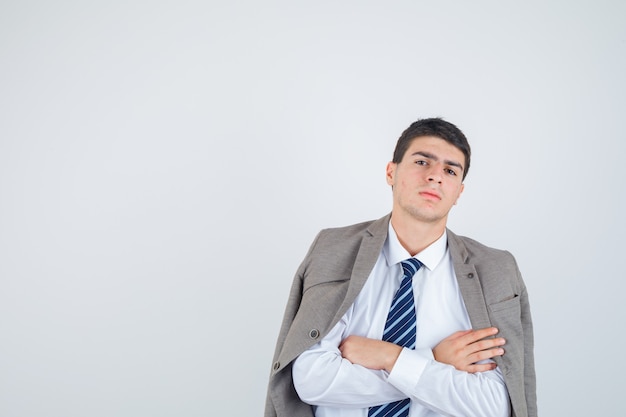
(433,127)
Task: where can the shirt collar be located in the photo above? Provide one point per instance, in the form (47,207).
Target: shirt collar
(430,257)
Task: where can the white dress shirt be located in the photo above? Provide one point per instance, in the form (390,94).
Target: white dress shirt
(338,388)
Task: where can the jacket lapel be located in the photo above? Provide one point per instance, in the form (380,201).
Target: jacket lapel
(469,283)
(371,245)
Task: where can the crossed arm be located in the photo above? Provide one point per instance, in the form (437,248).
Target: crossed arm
(357,372)
(462,349)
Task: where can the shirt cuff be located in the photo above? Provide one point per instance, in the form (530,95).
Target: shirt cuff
(409,367)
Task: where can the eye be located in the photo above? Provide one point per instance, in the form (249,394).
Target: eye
(451,172)
(421,162)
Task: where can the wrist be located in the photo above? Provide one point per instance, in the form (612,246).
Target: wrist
(392,354)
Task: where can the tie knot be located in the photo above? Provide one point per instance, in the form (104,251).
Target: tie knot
(410,267)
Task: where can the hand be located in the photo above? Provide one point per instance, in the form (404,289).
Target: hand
(464,348)
(370,353)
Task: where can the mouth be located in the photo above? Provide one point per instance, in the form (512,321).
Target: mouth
(430,195)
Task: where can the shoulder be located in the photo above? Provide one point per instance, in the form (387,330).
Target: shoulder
(493,265)
(339,246)
(356,231)
(470,248)
(347,231)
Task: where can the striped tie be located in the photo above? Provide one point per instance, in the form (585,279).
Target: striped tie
(400,329)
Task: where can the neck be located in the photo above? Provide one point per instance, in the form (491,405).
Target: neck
(416,236)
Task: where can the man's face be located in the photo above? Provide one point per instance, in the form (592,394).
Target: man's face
(428,181)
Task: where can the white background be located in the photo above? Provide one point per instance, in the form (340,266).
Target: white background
(165,165)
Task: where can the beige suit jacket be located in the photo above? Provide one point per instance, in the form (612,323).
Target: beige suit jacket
(333,273)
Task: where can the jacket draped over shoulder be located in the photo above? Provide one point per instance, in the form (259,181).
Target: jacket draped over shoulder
(333,273)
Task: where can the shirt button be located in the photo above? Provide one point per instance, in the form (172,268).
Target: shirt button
(314,334)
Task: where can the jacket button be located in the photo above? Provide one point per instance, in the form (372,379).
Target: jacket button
(470,275)
(314,334)
(276,365)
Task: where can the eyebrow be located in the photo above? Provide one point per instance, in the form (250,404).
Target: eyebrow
(435,158)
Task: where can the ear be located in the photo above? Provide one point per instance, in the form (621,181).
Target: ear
(390,172)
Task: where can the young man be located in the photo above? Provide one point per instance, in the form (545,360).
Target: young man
(400,316)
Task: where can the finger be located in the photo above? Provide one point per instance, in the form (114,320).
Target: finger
(481,367)
(457,335)
(344,345)
(487,344)
(476,335)
(485,354)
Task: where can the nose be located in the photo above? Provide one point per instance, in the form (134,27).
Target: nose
(434,174)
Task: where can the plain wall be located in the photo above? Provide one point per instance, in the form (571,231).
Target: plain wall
(164,166)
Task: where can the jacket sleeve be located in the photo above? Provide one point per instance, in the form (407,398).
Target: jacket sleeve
(529,360)
(524,400)
(282,398)
(521,375)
